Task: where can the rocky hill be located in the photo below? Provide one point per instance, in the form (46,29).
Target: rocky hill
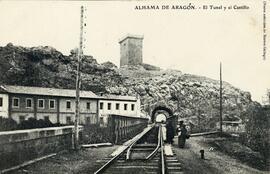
(194,97)
(47,67)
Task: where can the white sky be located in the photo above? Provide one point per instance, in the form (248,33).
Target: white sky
(192,41)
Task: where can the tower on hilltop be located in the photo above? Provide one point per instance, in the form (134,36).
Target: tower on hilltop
(131,50)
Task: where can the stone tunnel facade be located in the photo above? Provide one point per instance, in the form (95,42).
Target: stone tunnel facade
(165,108)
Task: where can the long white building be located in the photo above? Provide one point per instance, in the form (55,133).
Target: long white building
(118,105)
(58,105)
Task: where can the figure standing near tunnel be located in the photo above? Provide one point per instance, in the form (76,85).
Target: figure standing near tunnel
(170,132)
(183,136)
(164,131)
(179,126)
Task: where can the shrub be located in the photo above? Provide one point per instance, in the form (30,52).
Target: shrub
(93,133)
(7,124)
(257,121)
(34,123)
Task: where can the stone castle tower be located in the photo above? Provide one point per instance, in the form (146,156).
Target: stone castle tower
(131,50)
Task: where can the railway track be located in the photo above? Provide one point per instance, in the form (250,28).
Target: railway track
(144,156)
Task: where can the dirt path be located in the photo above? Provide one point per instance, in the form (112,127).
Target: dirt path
(69,162)
(215,162)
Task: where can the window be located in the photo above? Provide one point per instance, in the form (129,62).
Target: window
(15,102)
(88,105)
(68,104)
(132,107)
(68,120)
(88,120)
(41,103)
(21,119)
(125,106)
(1,101)
(101,106)
(28,103)
(109,106)
(117,106)
(46,118)
(52,104)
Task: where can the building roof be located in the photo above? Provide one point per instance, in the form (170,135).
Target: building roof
(131,36)
(118,97)
(60,92)
(46,91)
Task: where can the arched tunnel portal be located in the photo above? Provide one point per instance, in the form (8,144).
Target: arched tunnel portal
(163,109)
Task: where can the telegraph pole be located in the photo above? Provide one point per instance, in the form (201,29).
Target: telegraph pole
(220,96)
(78,82)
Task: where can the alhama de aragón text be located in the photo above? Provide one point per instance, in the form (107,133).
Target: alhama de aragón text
(162,7)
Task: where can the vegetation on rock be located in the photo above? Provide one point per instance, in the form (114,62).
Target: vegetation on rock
(257,135)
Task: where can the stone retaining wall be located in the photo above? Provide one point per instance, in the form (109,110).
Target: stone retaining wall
(19,146)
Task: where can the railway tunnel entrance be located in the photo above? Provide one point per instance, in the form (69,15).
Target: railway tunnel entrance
(159,111)
(161,118)
(163,113)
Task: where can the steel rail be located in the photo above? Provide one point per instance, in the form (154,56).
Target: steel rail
(130,147)
(110,162)
(162,156)
(158,145)
(107,164)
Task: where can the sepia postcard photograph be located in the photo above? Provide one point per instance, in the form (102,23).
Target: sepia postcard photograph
(134,87)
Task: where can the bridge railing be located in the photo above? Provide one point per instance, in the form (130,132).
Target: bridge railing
(125,127)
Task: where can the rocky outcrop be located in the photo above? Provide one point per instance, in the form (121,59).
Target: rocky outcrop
(195,98)
(47,67)
(109,65)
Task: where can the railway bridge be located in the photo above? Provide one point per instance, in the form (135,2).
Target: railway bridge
(47,141)
(146,153)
